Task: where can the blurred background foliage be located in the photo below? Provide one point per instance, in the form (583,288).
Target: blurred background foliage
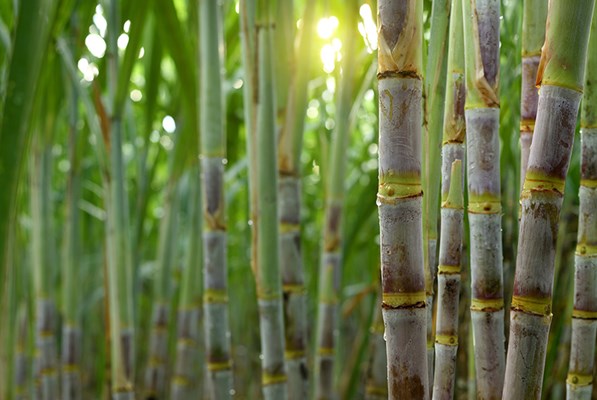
(158,44)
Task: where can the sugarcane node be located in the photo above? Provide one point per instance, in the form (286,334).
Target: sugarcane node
(398,74)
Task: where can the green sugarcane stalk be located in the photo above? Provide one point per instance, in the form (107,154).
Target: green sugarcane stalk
(400,197)
(435,87)
(71,327)
(46,372)
(187,381)
(331,262)
(481,33)
(289,171)
(579,384)
(533,36)
(119,273)
(156,372)
(377,379)
(213,155)
(20,389)
(263,196)
(560,74)
(22,74)
(446,339)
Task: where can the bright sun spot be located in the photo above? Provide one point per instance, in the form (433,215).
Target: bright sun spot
(368,28)
(169,124)
(96,45)
(136,95)
(326,27)
(123,40)
(127,25)
(237,7)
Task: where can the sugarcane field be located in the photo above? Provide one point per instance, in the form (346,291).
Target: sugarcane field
(298,199)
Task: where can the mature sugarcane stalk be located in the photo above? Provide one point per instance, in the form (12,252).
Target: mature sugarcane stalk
(435,86)
(481,33)
(119,274)
(584,316)
(377,378)
(533,35)
(561,72)
(46,357)
(155,374)
(289,171)
(400,197)
(213,155)
(71,327)
(187,381)
(331,262)
(446,339)
(263,196)
(450,253)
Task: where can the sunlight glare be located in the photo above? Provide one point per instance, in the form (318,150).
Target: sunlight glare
(127,26)
(327,26)
(123,40)
(169,124)
(136,95)
(96,45)
(100,22)
(368,28)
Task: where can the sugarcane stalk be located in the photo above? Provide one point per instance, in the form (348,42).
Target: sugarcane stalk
(560,74)
(450,253)
(579,384)
(117,233)
(400,195)
(46,357)
(155,373)
(533,36)
(71,327)
(446,339)
(21,362)
(331,262)
(213,155)
(187,381)
(257,35)
(289,172)
(482,113)
(377,379)
(435,86)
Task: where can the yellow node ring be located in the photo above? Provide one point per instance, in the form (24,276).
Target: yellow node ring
(398,300)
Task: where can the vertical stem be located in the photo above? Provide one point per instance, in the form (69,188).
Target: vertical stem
(213,157)
(533,35)
(584,315)
(71,328)
(481,33)
(117,230)
(400,197)
(561,74)
(187,381)
(446,340)
(377,378)
(331,263)
(46,362)
(264,209)
(155,374)
(289,171)
(435,86)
